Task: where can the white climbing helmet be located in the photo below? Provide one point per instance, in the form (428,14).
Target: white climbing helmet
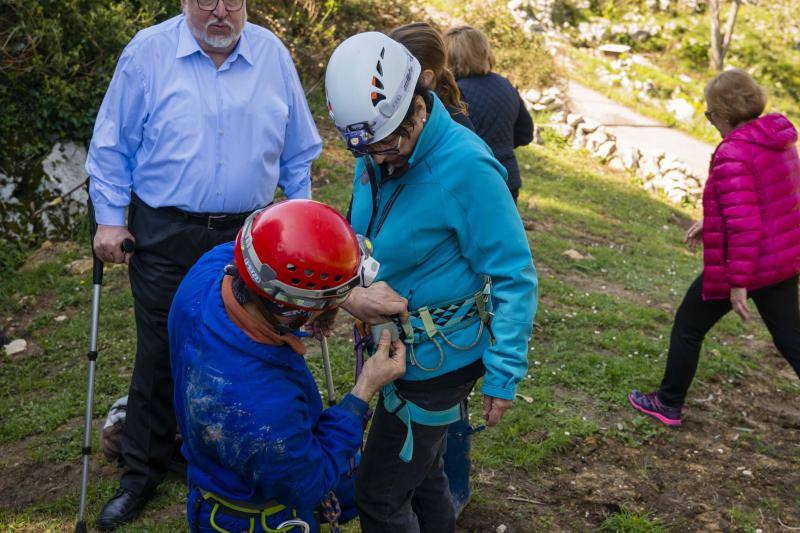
(369,85)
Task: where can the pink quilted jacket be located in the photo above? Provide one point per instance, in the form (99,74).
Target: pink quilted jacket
(751,208)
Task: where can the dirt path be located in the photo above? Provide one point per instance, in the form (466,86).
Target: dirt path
(635,130)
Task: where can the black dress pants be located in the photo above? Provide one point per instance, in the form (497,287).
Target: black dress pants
(397,497)
(778,306)
(166,247)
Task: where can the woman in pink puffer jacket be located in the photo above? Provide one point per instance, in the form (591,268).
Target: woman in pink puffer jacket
(751,236)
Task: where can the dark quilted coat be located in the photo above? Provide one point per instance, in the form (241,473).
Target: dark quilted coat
(751,208)
(500,118)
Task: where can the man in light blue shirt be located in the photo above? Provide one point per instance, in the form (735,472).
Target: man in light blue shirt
(204,117)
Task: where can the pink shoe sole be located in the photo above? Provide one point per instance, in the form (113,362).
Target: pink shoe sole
(661,418)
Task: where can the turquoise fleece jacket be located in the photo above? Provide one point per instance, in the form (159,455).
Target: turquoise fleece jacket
(437,230)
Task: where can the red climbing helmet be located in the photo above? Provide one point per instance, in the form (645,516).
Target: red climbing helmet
(302,254)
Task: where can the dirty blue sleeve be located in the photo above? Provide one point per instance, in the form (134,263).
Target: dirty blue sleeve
(294,458)
(493,241)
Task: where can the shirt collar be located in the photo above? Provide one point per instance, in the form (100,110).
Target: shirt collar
(188,45)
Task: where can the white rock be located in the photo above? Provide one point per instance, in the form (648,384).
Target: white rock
(579,141)
(532,95)
(16,346)
(588,126)
(685,79)
(60,318)
(538,108)
(563,130)
(630,157)
(502,528)
(558,117)
(575,255)
(546,100)
(595,140)
(605,150)
(677,196)
(573,119)
(682,110)
(616,164)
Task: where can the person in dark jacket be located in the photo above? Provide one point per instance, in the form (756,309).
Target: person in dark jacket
(426,44)
(495,106)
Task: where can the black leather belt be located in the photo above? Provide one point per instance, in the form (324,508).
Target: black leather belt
(212,221)
(221,221)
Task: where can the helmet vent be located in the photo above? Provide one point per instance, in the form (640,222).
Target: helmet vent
(308,273)
(290,267)
(337,278)
(383,51)
(324,276)
(295,281)
(379,68)
(311,285)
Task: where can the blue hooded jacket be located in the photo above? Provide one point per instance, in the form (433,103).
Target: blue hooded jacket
(250,414)
(437,230)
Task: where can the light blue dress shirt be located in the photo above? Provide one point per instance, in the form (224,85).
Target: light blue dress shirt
(179,132)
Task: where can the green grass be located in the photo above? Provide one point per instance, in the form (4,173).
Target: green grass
(601,330)
(626,521)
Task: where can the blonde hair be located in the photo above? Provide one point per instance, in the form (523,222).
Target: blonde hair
(735,96)
(468,52)
(426,44)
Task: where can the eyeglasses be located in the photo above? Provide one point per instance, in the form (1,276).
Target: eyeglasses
(385,147)
(211,5)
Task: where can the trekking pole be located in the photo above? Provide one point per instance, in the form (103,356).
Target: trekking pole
(97,282)
(326,364)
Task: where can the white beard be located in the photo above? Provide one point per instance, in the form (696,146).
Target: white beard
(220,42)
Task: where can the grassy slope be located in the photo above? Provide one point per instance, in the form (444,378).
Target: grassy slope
(600,331)
(762,44)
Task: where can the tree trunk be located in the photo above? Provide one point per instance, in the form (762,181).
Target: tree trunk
(721,39)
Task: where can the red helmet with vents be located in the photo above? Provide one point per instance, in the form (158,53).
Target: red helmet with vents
(303,254)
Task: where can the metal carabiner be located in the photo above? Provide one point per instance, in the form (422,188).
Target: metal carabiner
(294,522)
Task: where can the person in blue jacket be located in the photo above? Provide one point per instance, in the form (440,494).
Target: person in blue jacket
(433,200)
(262,454)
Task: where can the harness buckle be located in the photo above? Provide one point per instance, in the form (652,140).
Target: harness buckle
(399,406)
(212,218)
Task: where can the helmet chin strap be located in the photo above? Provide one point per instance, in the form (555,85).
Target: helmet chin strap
(269,316)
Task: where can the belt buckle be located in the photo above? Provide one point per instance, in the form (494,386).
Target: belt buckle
(212,218)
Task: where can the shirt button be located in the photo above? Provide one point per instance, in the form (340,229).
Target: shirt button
(220,162)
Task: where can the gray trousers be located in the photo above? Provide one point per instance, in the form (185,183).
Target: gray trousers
(397,497)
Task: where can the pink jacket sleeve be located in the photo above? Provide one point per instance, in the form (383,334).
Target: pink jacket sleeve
(739,207)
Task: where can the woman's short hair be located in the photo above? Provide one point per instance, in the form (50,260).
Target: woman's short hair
(735,96)
(468,52)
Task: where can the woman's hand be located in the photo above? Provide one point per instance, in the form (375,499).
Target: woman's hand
(694,235)
(739,302)
(494,409)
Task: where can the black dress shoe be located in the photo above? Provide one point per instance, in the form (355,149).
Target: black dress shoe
(121,509)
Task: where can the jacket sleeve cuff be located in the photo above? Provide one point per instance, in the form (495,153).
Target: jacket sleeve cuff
(354,405)
(108,215)
(506,393)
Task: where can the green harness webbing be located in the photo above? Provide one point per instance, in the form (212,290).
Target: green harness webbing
(428,323)
(239,509)
(409,412)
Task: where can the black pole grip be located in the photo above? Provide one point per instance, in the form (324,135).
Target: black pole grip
(128,246)
(97,265)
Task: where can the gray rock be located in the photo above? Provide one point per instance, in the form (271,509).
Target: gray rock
(595,140)
(16,346)
(563,130)
(616,164)
(630,157)
(558,117)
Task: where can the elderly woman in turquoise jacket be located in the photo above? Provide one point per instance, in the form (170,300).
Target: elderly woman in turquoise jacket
(433,201)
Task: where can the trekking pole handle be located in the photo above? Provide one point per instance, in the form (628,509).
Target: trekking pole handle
(128,246)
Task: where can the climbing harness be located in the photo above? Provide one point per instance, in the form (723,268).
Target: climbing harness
(445,319)
(243,510)
(428,324)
